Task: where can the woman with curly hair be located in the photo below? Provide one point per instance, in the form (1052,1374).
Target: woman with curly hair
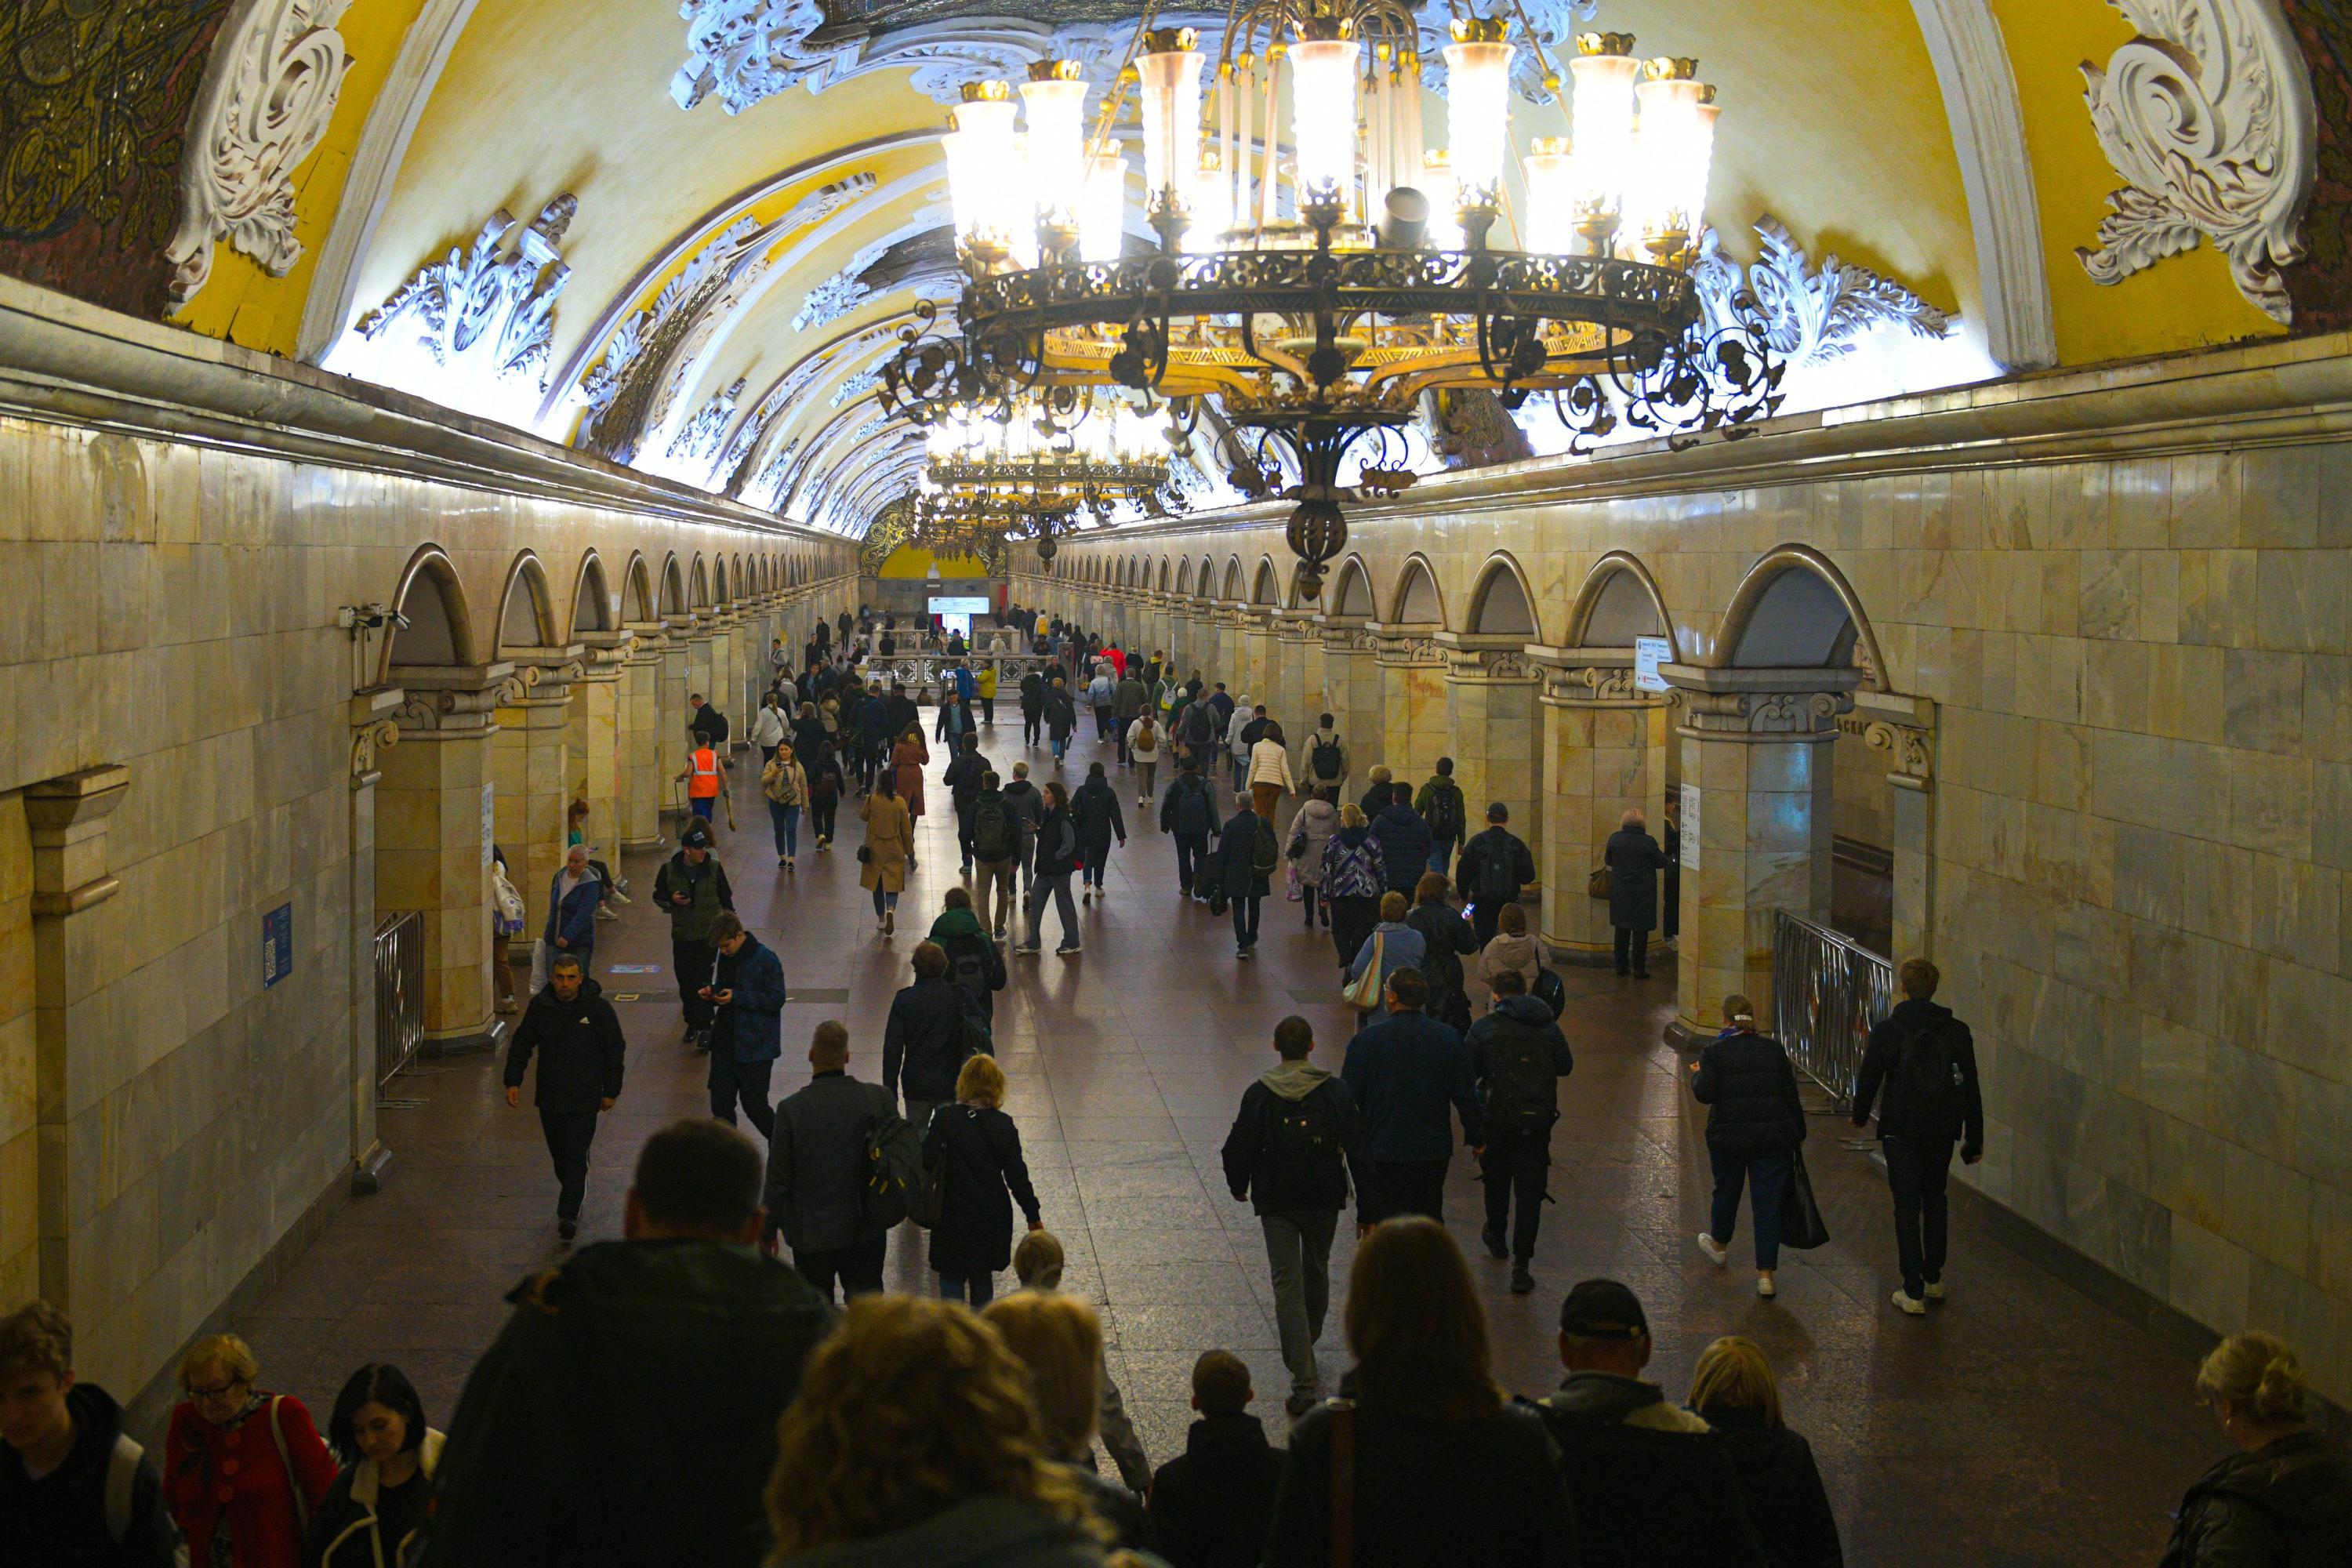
(915,1438)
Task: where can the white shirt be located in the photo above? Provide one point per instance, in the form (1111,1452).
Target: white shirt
(768,728)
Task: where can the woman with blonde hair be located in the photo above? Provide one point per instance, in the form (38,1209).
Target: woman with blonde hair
(2285,1497)
(1355,874)
(985,1173)
(915,1438)
(243,1469)
(1429,1463)
(1059,1340)
(1734,1391)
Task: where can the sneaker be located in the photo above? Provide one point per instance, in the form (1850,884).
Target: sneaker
(1493,1240)
(1910,1303)
(1243,952)
(1068,949)
(1933,1290)
(1765,1287)
(1712,1247)
(998,933)
(605,914)
(567,1228)
(1298,1404)
(788,862)
(890,922)
(1026,951)
(618,894)
(1522,1282)
(781,862)
(1088,897)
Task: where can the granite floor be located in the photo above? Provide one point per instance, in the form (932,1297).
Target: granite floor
(2021,1423)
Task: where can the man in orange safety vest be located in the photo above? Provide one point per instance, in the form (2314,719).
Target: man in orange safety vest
(705,780)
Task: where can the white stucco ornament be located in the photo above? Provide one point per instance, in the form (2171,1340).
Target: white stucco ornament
(1811,313)
(268,94)
(2209,117)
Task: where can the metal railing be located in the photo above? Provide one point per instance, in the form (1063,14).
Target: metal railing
(1828,990)
(399,993)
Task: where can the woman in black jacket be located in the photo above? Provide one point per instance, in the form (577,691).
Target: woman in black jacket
(2285,1497)
(1734,1390)
(1095,806)
(1634,861)
(1058,855)
(1445,1469)
(375,1507)
(985,1173)
(1752,1134)
(1450,939)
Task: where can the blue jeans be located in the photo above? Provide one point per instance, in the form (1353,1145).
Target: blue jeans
(979,1289)
(702,805)
(786,819)
(1767,1178)
(1440,855)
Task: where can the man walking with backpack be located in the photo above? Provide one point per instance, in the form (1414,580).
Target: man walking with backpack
(1285,1157)
(923,1044)
(1927,1061)
(817,1175)
(1441,806)
(1519,1056)
(1200,732)
(964,776)
(996,850)
(1189,815)
(1248,853)
(973,962)
(1497,866)
(1142,742)
(1327,759)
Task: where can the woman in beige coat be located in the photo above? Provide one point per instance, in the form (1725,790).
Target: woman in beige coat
(1512,947)
(889,847)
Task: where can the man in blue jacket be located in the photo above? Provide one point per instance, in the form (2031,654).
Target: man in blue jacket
(748,1033)
(1403,1072)
(1404,841)
(572,901)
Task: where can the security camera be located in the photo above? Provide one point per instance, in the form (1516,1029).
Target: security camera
(368,617)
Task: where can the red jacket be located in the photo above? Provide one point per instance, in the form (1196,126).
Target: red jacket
(211,1470)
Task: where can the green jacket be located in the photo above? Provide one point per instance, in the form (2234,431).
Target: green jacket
(707,892)
(627,1414)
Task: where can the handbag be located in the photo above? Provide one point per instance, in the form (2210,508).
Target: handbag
(1293,890)
(1801,1226)
(865,854)
(1363,993)
(1597,884)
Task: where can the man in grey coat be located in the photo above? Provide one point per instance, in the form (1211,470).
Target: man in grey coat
(816,1173)
(1634,861)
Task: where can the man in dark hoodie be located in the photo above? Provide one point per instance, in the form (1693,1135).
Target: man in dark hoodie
(1028,803)
(1404,842)
(577,1038)
(1405,1072)
(627,1414)
(1519,1056)
(1927,1061)
(1496,867)
(1292,1148)
(1212,1505)
(73,1489)
(923,1043)
(1650,1481)
(965,774)
(1188,815)
(973,962)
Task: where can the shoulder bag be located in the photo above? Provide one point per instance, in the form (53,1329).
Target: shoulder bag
(1801,1226)
(1597,884)
(1363,993)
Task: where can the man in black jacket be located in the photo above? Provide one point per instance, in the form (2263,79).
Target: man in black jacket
(74,1490)
(627,1414)
(708,725)
(1284,1156)
(1651,1483)
(1519,1056)
(1246,856)
(1496,867)
(923,1043)
(1188,815)
(1927,1060)
(577,1037)
(965,773)
(1212,1505)
(817,1176)
(973,962)
(1032,706)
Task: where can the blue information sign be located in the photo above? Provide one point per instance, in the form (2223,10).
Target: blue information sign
(276,945)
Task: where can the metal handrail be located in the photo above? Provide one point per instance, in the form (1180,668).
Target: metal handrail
(399,993)
(1828,990)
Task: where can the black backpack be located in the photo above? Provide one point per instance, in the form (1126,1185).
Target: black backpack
(1301,1132)
(1522,1092)
(1929,1074)
(894,1172)
(1265,853)
(992,830)
(1200,724)
(1498,874)
(1323,757)
(1551,992)
(967,969)
(1192,807)
(1445,809)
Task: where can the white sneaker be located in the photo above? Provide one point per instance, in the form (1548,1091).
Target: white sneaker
(1765,1287)
(1934,1292)
(1910,1303)
(1712,1248)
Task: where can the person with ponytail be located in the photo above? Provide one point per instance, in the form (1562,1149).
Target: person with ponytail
(2285,1497)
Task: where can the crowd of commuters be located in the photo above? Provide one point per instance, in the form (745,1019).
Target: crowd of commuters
(695,1393)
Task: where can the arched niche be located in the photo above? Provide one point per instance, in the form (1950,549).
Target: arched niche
(1183,578)
(673,588)
(526,614)
(718,581)
(1618,602)
(1204,585)
(592,601)
(1500,605)
(1163,574)
(1795,610)
(1417,602)
(637,598)
(1354,595)
(1265,589)
(1232,591)
(698,586)
(438,630)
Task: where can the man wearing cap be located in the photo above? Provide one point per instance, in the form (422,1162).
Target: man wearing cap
(692,889)
(1496,866)
(1651,1483)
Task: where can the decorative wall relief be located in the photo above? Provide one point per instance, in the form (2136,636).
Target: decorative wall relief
(2209,116)
(267,98)
(472,330)
(745,50)
(1813,313)
(94,103)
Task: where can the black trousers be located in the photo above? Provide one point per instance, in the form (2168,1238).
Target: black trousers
(988,710)
(569,1134)
(858,1267)
(963,829)
(692,961)
(1634,945)
(1410,1187)
(1917,1171)
(1192,859)
(1245,912)
(731,1080)
(1517,1164)
(820,815)
(1031,724)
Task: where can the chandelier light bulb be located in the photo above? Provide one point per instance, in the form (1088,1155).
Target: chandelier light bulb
(987,180)
(1666,147)
(1056,97)
(1601,126)
(1102,211)
(1168,77)
(1324,71)
(1212,209)
(1551,197)
(1477,108)
(1445,230)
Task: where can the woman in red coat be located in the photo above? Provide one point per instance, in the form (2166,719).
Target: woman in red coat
(911,757)
(243,1469)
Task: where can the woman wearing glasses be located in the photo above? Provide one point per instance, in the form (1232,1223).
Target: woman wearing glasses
(244,1469)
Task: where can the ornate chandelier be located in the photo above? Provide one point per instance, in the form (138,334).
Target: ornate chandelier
(1063,440)
(1317,290)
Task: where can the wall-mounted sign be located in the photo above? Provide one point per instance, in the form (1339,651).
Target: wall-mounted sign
(1687,824)
(276,945)
(1648,654)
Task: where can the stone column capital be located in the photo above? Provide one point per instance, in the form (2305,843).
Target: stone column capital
(374,727)
(1403,645)
(1761,705)
(67,817)
(457,701)
(1488,659)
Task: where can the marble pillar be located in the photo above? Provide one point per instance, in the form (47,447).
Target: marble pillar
(1414,732)
(74,1022)
(1260,652)
(1352,694)
(374,731)
(435,815)
(1298,683)
(1757,814)
(640,792)
(671,687)
(701,650)
(1605,753)
(1492,733)
(1901,731)
(594,742)
(531,773)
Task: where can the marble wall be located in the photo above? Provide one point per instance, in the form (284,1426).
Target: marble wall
(2102,711)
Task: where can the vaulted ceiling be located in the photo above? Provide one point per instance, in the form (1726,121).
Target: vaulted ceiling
(757,198)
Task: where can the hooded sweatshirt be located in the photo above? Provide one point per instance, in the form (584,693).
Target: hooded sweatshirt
(1508,952)
(61,1517)
(1296,1124)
